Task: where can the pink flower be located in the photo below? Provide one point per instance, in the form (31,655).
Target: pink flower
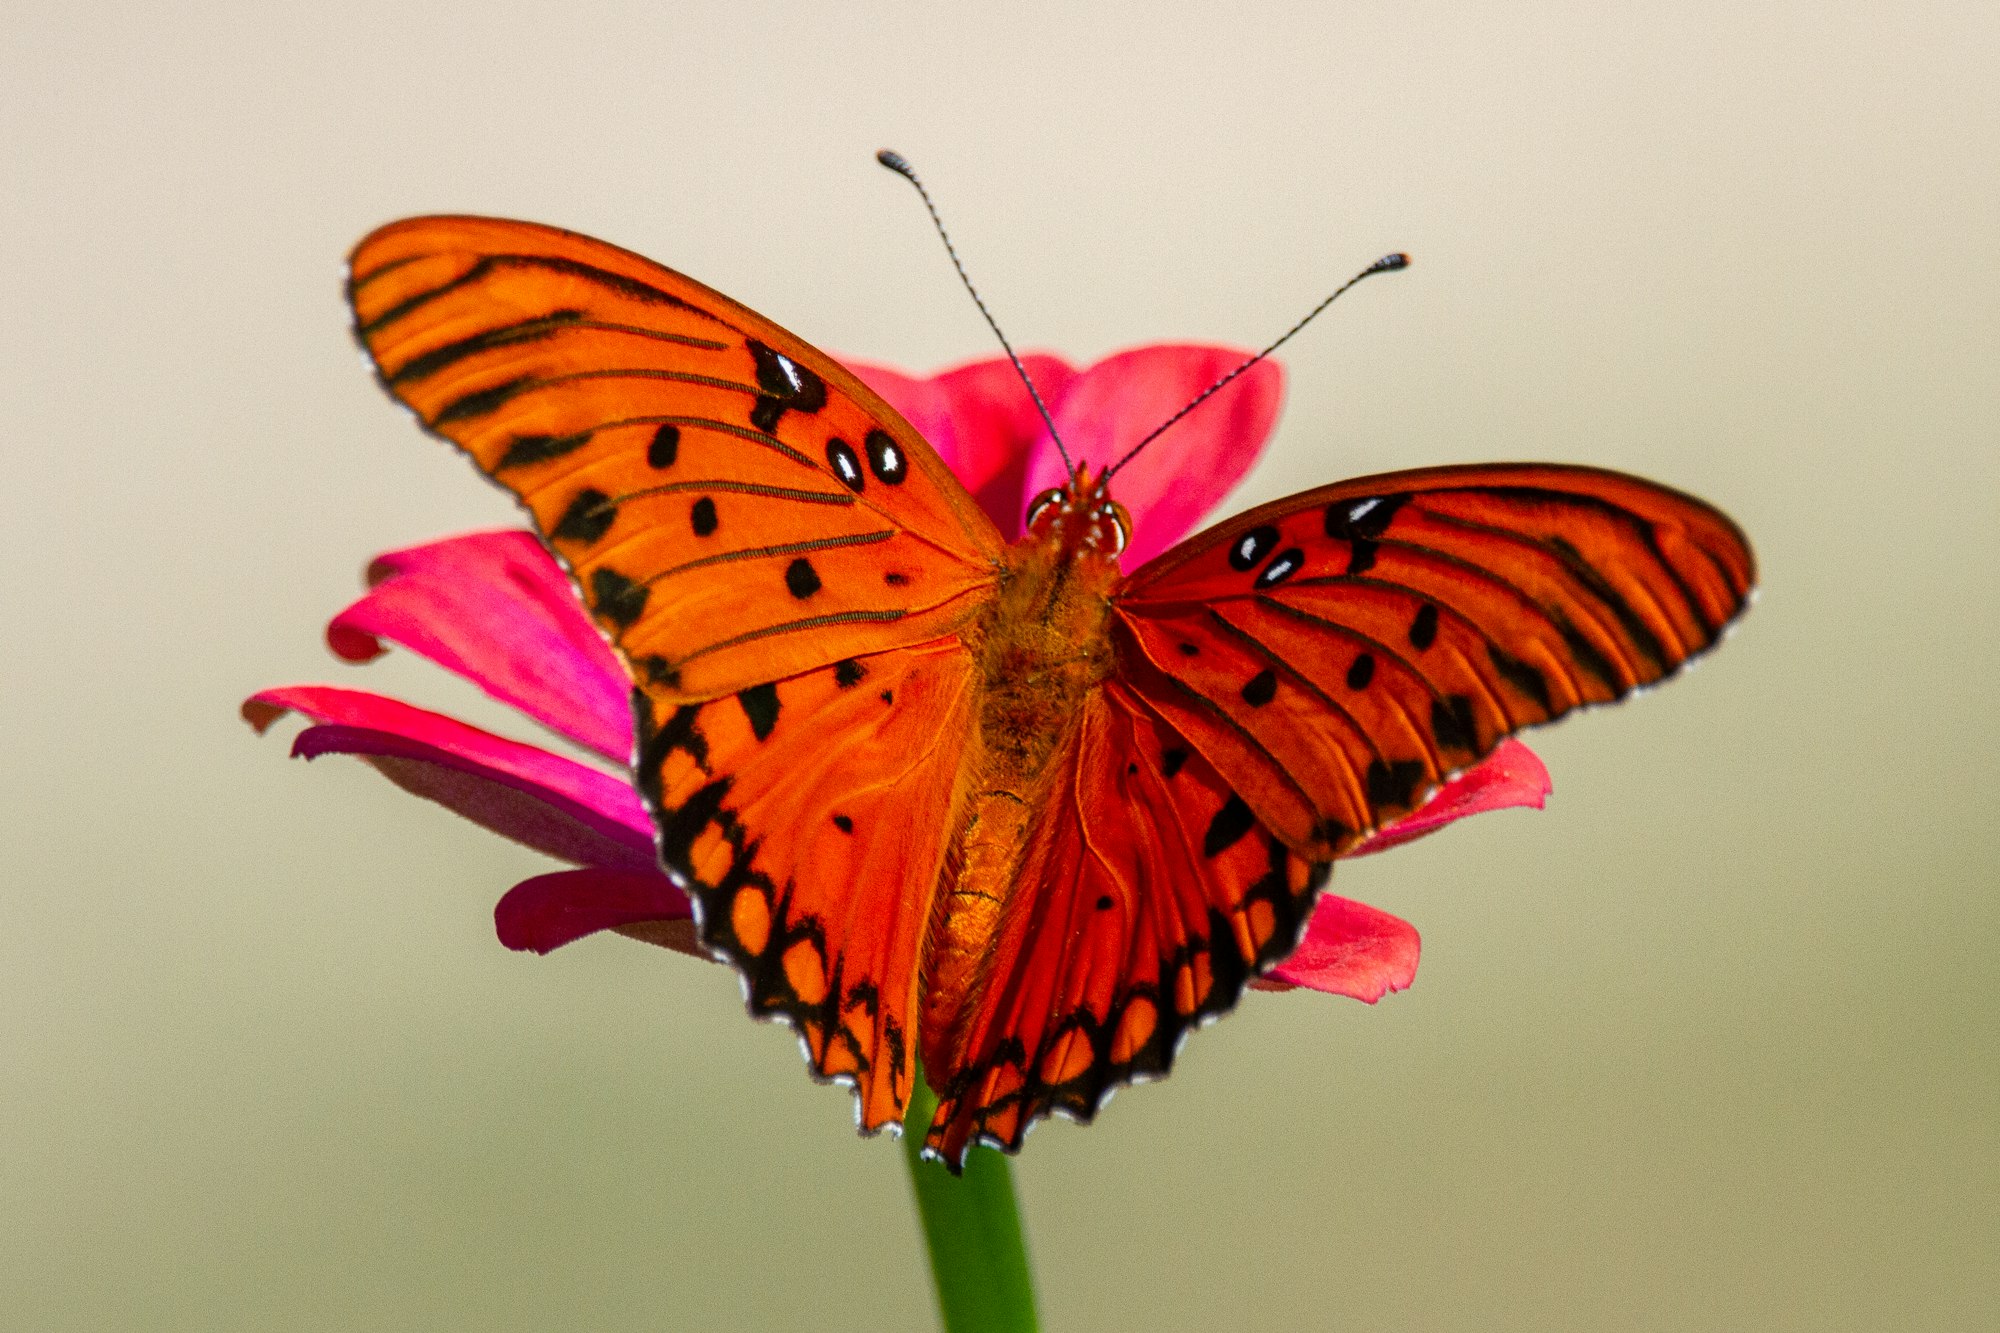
(495,608)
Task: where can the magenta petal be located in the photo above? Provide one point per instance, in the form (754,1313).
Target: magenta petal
(549,911)
(1513,775)
(982,423)
(1352,949)
(1185,473)
(555,805)
(497,609)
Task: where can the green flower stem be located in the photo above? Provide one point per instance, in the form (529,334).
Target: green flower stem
(972,1226)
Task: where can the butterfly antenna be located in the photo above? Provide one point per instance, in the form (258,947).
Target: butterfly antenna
(899,164)
(1386,264)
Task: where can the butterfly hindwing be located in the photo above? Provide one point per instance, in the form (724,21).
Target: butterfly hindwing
(808,818)
(735,506)
(1148,897)
(1339,653)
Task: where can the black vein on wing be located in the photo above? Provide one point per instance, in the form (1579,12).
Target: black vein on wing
(485,402)
(793,627)
(539,328)
(1642,636)
(1383,651)
(486,265)
(1526,602)
(1257,648)
(738,487)
(762,552)
(1203,704)
(1640,527)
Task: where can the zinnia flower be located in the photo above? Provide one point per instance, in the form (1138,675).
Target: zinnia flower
(495,608)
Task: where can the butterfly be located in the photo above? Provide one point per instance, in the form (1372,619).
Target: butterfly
(1001,809)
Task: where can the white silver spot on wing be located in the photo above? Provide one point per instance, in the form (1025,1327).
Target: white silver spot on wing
(790,370)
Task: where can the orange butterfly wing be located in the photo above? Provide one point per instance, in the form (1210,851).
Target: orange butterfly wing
(734,505)
(779,557)
(1148,897)
(1338,654)
(808,819)
(1288,682)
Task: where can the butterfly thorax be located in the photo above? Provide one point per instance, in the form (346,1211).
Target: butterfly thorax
(1043,646)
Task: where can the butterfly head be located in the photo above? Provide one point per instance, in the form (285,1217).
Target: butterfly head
(1081,516)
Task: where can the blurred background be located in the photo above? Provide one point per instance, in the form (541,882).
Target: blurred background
(1710,1043)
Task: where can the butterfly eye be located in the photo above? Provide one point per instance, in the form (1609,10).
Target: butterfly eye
(1121,526)
(1042,502)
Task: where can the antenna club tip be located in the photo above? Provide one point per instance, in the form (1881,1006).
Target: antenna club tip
(1390,263)
(896,162)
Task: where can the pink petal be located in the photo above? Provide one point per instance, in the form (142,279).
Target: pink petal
(1513,775)
(1185,473)
(982,423)
(555,805)
(497,609)
(549,911)
(1352,949)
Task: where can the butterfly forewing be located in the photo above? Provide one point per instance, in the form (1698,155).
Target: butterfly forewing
(1339,653)
(777,555)
(734,505)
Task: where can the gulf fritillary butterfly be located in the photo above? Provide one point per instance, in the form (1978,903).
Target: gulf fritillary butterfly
(1003,808)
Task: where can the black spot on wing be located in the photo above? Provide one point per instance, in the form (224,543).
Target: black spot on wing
(1424,629)
(530,449)
(617,598)
(665,447)
(1249,550)
(1362,520)
(843,823)
(1361,672)
(1330,833)
(1188,649)
(847,673)
(885,458)
(783,386)
(1283,565)
(760,706)
(801,579)
(1261,688)
(1452,722)
(1171,761)
(701,516)
(589,516)
(1522,676)
(846,464)
(1394,785)
(1231,822)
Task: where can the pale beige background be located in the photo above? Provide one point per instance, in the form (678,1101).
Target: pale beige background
(1707,1045)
